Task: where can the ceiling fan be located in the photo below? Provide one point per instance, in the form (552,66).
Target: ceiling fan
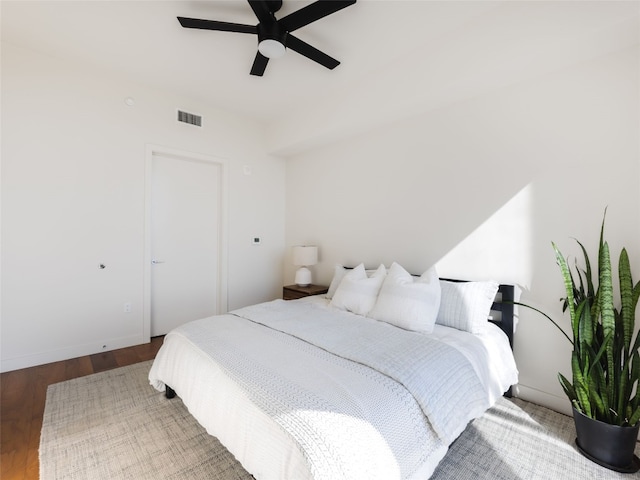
(274,36)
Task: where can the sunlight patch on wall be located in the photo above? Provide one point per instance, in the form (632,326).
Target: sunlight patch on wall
(499,249)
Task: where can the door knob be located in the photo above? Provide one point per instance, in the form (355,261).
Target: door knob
(155,262)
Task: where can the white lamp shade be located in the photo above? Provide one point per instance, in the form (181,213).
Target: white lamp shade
(304,255)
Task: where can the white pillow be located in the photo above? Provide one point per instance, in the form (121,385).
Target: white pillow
(357,293)
(466,305)
(338,274)
(406,302)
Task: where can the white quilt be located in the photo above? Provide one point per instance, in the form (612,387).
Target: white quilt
(296,390)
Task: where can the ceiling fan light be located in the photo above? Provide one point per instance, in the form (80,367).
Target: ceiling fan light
(271,48)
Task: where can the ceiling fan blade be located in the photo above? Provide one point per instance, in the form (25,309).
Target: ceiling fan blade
(259,65)
(262,10)
(215,25)
(312,12)
(310,52)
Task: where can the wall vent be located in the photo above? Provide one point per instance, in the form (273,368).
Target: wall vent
(190,118)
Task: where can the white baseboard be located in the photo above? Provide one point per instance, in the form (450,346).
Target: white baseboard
(559,404)
(74,351)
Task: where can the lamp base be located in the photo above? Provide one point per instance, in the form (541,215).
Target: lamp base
(303,277)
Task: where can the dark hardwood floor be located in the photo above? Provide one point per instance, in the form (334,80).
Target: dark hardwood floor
(22,398)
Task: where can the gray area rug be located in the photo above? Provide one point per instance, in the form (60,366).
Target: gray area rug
(114,425)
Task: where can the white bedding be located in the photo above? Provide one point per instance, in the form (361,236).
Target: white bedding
(298,390)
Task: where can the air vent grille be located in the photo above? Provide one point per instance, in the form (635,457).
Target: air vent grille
(190,118)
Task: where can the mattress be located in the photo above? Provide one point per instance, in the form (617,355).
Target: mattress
(299,390)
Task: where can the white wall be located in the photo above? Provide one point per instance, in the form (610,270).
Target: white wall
(73,159)
(481,188)
(478,187)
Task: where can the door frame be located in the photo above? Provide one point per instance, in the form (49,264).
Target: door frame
(222,253)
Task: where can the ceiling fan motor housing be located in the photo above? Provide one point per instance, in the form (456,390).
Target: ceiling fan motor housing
(271,31)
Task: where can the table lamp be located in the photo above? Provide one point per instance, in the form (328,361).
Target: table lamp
(304,256)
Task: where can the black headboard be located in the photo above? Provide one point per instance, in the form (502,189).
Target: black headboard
(505,306)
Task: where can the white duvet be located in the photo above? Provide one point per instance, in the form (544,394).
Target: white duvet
(298,390)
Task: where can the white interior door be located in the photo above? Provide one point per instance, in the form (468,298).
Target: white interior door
(184,243)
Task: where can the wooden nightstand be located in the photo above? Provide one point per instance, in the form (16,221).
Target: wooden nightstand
(291,292)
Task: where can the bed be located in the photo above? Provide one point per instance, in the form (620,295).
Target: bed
(305,389)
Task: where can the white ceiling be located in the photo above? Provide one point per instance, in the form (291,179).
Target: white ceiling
(448,49)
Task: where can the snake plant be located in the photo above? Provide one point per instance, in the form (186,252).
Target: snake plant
(605,360)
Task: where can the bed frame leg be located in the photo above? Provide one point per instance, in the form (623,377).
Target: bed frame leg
(169,392)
